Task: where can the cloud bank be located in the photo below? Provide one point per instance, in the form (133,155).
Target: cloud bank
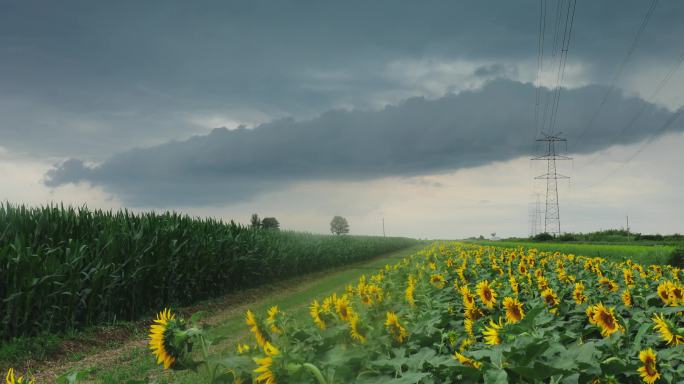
(418,136)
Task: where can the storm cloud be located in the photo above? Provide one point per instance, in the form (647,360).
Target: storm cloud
(418,136)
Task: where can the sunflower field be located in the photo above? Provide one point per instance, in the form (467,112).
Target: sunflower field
(462,313)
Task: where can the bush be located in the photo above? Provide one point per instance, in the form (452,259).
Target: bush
(544,236)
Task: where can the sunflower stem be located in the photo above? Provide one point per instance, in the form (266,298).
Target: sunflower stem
(315,372)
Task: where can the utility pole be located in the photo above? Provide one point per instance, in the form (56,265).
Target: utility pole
(535,216)
(552,211)
(383,227)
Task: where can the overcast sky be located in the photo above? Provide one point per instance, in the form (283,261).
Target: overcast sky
(423,113)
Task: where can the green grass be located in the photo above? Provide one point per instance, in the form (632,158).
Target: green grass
(644,254)
(137,363)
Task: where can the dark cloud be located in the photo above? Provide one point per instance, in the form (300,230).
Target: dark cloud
(416,137)
(91,78)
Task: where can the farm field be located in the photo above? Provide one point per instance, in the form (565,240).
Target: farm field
(133,361)
(644,254)
(468,314)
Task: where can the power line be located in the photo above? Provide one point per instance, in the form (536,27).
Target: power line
(621,68)
(643,107)
(643,146)
(540,62)
(567,33)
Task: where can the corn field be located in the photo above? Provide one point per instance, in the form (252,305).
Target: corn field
(63,268)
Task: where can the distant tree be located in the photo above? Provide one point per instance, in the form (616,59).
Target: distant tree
(270,223)
(255,221)
(481,237)
(339,225)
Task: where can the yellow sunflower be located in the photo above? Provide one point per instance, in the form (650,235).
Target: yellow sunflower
(315,312)
(648,372)
(628,277)
(467,361)
(260,336)
(264,373)
(343,308)
(11,379)
(468,298)
(514,310)
(626,298)
(486,293)
(159,341)
(514,284)
(605,319)
(410,291)
(664,292)
(608,284)
(272,318)
(395,328)
(491,332)
(437,280)
(550,298)
(354,331)
(662,326)
(578,294)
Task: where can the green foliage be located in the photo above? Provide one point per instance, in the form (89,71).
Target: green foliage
(63,268)
(339,225)
(544,236)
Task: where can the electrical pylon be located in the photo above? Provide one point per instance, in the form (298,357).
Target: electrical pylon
(552,223)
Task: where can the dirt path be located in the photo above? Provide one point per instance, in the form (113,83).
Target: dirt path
(131,360)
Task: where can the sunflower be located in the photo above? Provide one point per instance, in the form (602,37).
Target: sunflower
(260,336)
(467,361)
(514,310)
(395,328)
(522,268)
(676,294)
(354,329)
(242,348)
(160,331)
(468,325)
(272,319)
(491,333)
(550,297)
(662,326)
(664,292)
(468,298)
(343,308)
(10,379)
(628,277)
(542,283)
(437,280)
(315,312)
(608,284)
(514,284)
(578,294)
(626,298)
(648,372)
(486,293)
(591,311)
(605,319)
(265,374)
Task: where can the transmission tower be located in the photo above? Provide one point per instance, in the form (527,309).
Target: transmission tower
(552,211)
(535,216)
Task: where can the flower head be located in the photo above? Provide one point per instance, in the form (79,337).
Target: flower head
(437,280)
(11,379)
(663,327)
(467,361)
(256,329)
(605,319)
(343,308)
(161,334)
(514,310)
(491,333)
(648,372)
(486,293)
(264,372)
(395,328)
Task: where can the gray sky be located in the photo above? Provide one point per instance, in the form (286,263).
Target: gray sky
(421,112)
